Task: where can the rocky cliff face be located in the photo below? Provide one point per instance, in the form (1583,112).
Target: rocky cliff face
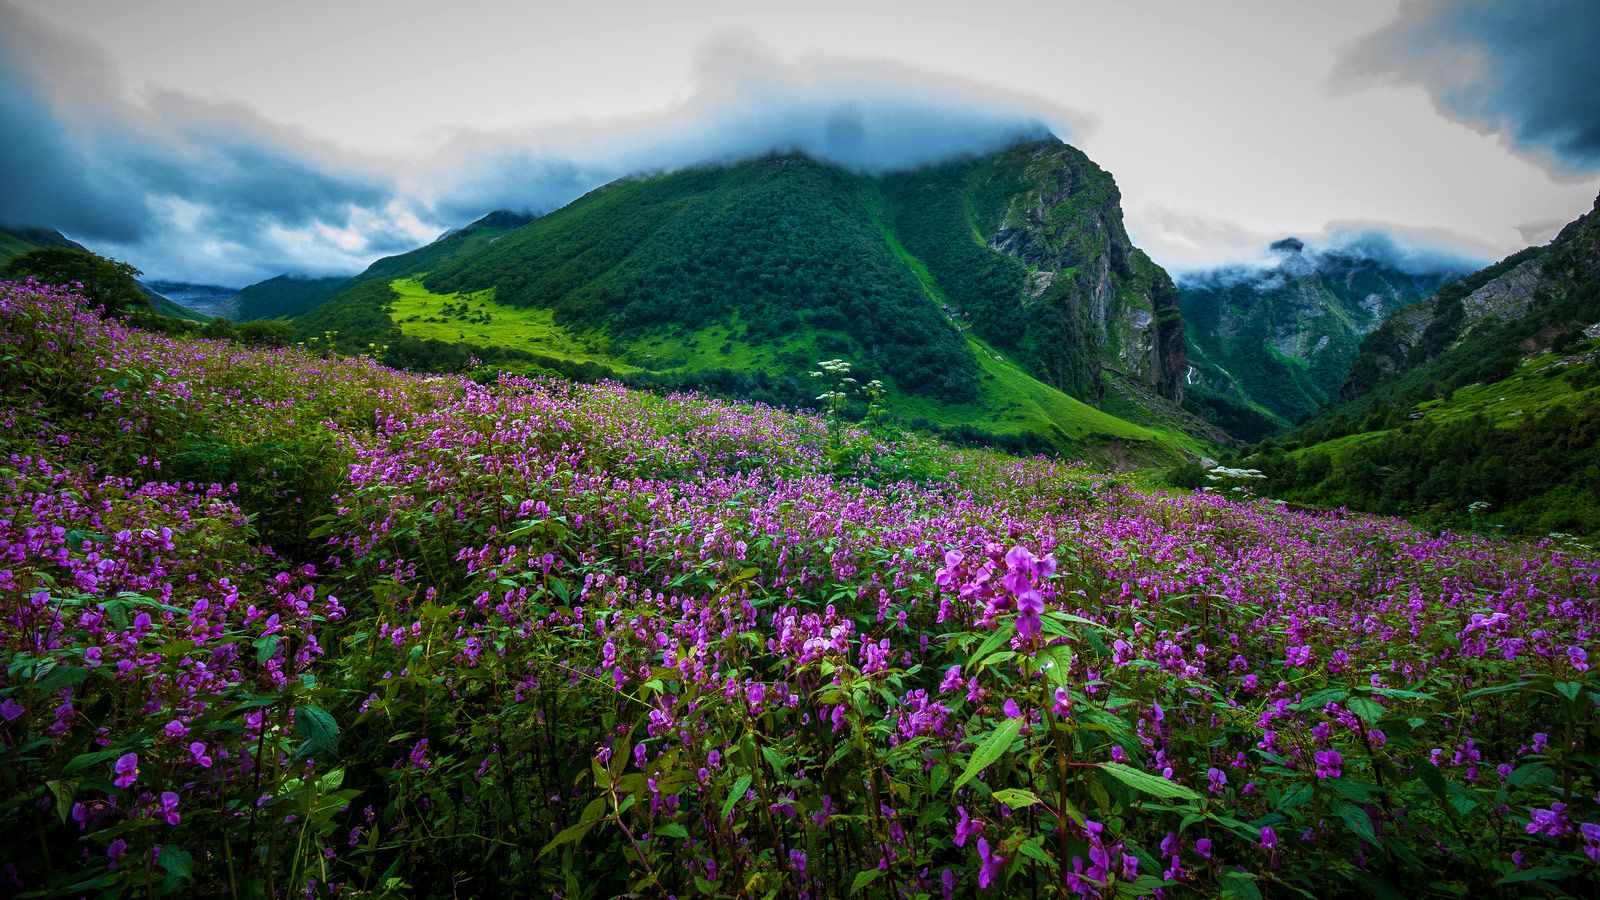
(1065,225)
(1028,247)
(1526,298)
(1278,339)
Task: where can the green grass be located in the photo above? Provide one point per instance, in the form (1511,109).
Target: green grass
(420,314)
(1012,401)
(1529,391)
(12,246)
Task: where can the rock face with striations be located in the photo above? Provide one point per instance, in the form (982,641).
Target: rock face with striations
(1508,298)
(1065,290)
(1272,343)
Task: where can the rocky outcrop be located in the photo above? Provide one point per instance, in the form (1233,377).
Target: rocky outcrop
(1064,224)
(1524,298)
(1280,337)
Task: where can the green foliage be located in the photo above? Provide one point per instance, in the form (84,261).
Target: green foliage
(782,242)
(106,282)
(286,296)
(1538,475)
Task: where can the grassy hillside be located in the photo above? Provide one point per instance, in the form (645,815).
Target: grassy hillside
(282,623)
(1525,449)
(285,296)
(739,278)
(1013,409)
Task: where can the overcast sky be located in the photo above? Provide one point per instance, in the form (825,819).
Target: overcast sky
(229,141)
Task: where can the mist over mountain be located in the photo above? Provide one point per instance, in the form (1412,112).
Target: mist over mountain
(1271,343)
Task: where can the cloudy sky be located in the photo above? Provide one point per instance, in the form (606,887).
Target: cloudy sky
(226,141)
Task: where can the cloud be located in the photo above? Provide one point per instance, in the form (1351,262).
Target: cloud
(1524,72)
(204,190)
(865,116)
(183,188)
(1194,247)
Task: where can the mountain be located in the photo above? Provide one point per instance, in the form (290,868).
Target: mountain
(1270,345)
(285,296)
(996,296)
(209,300)
(1476,328)
(17,240)
(1478,407)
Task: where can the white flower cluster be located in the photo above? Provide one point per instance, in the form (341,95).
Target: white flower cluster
(1217,473)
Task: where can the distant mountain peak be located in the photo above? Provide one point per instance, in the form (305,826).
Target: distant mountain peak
(1288,245)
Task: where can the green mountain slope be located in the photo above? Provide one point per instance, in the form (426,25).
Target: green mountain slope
(1488,393)
(285,296)
(998,296)
(15,241)
(1272,345)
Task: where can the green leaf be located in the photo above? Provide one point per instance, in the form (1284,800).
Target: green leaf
(864,878)
(1146,783)
(997,743)
(568,835)
(1537,873)
(320,731)
(179,866)
(266,648)
(1355,819)
(1569,689)
(1017,798)
(995,639)
(85,760)
(1369,711)
(1241,885)
(64,792)
(673,830)
(735,795)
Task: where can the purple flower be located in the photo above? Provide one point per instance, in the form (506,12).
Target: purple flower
(198,751)
(10,709)
(1591,838)
(952,679)
(1203,847)
(1552,821)
(169,807)
(1579,658)
(114,850)
(992,863)
(1328,763)
(1218,779)
(1063,704)
(966,826)
(127,769)
(1011,710)
(1269,838)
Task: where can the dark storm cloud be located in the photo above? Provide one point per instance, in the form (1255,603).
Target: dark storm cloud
(48,172)
(1525,70)
(159,181)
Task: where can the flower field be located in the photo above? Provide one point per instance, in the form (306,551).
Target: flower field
(279,625)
